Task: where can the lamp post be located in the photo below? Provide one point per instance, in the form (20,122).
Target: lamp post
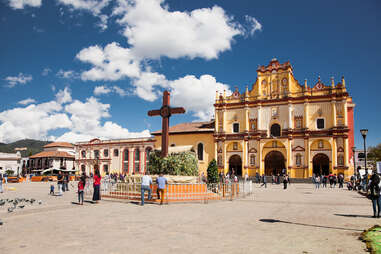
(364,132)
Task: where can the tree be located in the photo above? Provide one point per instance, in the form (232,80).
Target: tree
(212,172)
(183,164)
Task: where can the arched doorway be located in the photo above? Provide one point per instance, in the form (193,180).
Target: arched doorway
(235,165)
(275,130)
(274,163)
(320,164)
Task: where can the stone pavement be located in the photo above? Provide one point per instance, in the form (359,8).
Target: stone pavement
(297,220)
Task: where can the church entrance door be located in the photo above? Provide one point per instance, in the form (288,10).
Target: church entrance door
(274,163)
(320,164)
(235,165)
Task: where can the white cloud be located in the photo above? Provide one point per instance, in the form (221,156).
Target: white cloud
(253,24)
(21,4)
(196,95)
(111,63)
(119,91)
(63,96)
(99,90)
(69,74)
(46,71)
(20,79)
(27,101)
(154,31)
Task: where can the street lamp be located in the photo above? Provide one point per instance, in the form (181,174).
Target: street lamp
(363,133)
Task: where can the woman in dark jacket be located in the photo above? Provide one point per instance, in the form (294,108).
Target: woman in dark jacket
(374,187)
(97,185)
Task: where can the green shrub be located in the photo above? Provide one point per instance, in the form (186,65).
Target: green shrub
(212,172)
(183,164)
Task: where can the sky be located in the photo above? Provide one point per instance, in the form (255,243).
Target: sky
(72,70)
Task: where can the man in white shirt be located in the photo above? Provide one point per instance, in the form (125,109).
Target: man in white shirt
(146,182)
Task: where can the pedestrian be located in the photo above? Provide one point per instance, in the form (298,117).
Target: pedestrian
(146,186)
(161,184)
(285,181)
(324,181)
(334,180)
(278,178)
(264,181)
(203,178)
(97,186)
(341,180)
(246,177)
(51,190)
(374,187)
(67,180)
(5,178)
(330,178)
(273,178)
(81,188)
(1,183)
(257,178)
(317,182)
(60,179)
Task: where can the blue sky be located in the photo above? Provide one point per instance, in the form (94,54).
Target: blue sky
(76,69)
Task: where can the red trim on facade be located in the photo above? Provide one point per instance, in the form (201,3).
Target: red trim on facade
(351,127)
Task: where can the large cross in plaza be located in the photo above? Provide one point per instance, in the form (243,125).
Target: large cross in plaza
(165,112)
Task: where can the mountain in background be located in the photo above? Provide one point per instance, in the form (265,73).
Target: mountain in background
(33,146)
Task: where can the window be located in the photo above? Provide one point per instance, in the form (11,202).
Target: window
(275,130)
(320,123)
(200,152)
(83,154)
(105,152)
(116,152)
(105,169)
(125,160)
(137,160)
(252,159)
(340,160)
(235,127)
(298,159)
(96,154)
(83,168)
(148,151)
(298,122)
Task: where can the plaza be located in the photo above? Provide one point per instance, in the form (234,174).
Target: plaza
(272,220)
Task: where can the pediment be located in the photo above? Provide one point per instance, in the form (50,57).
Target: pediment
(298,148)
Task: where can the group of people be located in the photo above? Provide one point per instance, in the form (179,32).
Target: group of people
(332,179)
(275,179)
(63,180)
(228,178)
(161,182)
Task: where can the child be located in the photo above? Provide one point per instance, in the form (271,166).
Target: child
(81,187)
(51,189)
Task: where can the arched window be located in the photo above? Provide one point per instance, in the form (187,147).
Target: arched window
(105,152)
(96,154)
(200,152)
(83,154)
(137,160)
(298,159)
(116,152)
(125,160)
(275,130)
(235,127)
(320,123)
(105,169)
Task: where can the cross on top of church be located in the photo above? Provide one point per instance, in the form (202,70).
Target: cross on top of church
(165,112)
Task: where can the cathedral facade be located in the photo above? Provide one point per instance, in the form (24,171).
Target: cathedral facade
(281,124)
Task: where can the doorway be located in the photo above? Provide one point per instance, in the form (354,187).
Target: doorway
(235,165)
(320,164)
(274,163)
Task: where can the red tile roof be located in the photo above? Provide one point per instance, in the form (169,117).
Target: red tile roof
(59,144)
(55,154)
(190,128)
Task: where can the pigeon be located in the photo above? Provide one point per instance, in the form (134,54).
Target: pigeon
(10,209)
(2,203)
(39,202)
(21,206)
(1,223)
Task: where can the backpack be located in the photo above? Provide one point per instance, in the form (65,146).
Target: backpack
(375,190)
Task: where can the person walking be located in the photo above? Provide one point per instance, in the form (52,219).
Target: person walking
(317,182)
(1,183)
(264,181)
(146,182)
(97,186)
(5,178)
(66,181)
(60,179)
(257,178)
(161,185)
(81,188)
(374,187)
(285,181)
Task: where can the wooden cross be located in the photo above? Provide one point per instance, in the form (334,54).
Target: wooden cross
(165,112)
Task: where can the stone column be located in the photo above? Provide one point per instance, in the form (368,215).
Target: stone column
(290,120)
(305,118)
(334,153)
(346,152)
(259,118)
(307,156)
(246,119)
(226,163)
(345,104)
(244,155)
(334,120)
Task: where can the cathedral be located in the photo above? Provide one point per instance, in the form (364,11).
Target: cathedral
(283,125)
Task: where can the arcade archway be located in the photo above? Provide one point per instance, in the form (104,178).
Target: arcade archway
(320,164)
(235,165)
(274,163)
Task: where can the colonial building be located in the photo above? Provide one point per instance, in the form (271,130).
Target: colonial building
(195,136)
(128,156)
(10,161)
(282,124)
(56,155)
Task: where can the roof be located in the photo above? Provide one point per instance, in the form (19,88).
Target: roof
(55,154)
(274,65)
(192,127)
(59,144)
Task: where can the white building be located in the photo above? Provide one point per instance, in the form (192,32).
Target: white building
(57,155)
(10,161)
(128,156)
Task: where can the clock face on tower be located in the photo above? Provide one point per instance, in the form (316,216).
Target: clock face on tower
(319,86)
(284,81)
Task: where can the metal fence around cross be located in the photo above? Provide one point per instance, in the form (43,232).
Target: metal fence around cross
(174,192)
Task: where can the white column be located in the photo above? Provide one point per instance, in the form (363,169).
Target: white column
(259,118)
(345,113)
(334,120)
(290,122)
